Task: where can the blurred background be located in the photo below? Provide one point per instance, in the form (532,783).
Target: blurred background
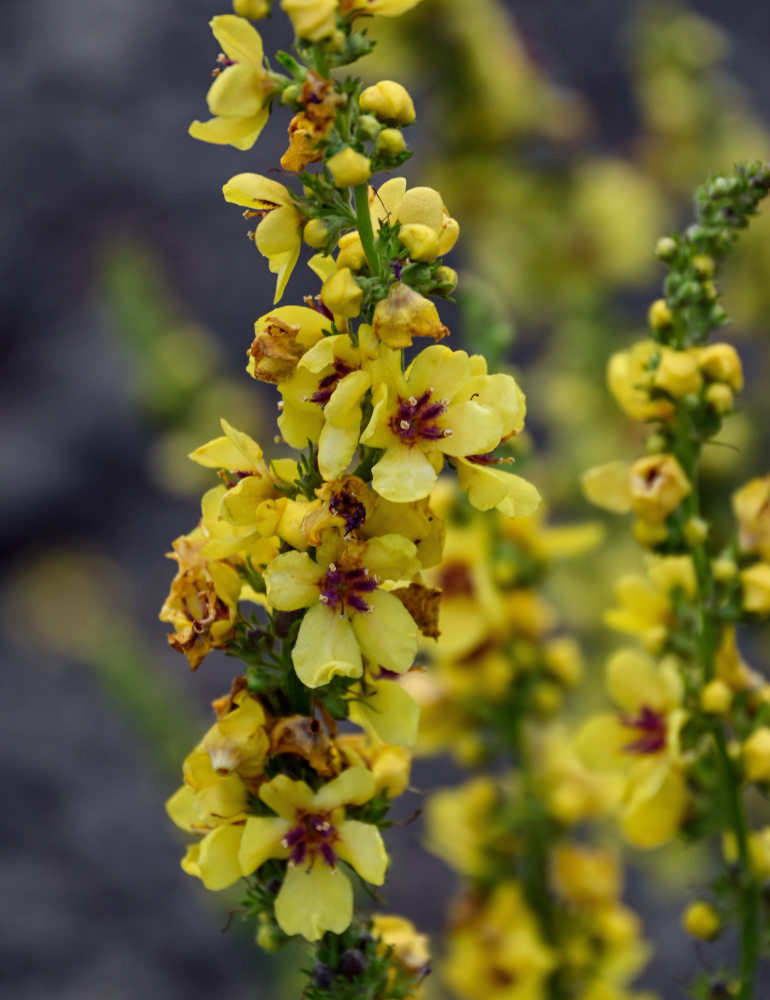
(565,139)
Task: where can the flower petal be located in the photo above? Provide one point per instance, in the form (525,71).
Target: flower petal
(354,786)
(360,844)
(388,633)
(313,902)
(326,646)
(261,840)
(240,40)
(292,581)
(218,857)
(389,712)
(403,474)
(239,132)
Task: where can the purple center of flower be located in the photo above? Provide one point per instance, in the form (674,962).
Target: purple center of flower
(311,836)
(651,729)
(328,384)
(342,587)
(415,418)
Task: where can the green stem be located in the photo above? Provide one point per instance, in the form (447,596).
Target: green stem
(365,231)
(749,898)
(687,449)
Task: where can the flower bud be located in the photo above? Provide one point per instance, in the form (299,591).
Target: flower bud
(724,569)
(665,248)
(315,233)
(721,363)
(349,168)
(313,21)
(352,252)
(716,698)
(720,398)
(649,534)
(420,240)
(252,9)
(369,126)
(678,373)
(341,294)
(702,921)
(404,314)
(391,142)
(389,101)
(659,315)
(756,755)
(704,265)
(696,531)
(446,279)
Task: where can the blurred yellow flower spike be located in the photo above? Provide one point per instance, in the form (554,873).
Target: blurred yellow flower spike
(237,97)
(495,948)
(350,614)
(311,830)
(279,234)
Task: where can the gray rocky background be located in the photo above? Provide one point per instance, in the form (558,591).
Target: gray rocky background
(95,101)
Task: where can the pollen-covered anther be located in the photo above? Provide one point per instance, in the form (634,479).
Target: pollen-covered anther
(404,425)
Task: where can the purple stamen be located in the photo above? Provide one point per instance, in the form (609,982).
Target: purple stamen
(652,732)
(414,417)
(327,853)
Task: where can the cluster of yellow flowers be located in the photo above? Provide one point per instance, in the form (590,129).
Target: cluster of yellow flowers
(690,735)
(540,911)
(332,547)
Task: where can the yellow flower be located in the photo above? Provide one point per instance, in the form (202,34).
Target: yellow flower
(630,375)
(349,614)
(406,946)
(386,711)
(439,407)
(322,400)
(215,805)
(755,588)
(281,338)
(239,93)
(646,603)
(459,824)
(202,604)
(643,742)
(495,951)
(419,206)
(751,506)
(756,755)
(586,876)
(238,742)
(279,235)
(658,485)
(312,831)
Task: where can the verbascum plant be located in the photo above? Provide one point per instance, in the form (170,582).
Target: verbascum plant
(330,543)
(540,913)
(689,735)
